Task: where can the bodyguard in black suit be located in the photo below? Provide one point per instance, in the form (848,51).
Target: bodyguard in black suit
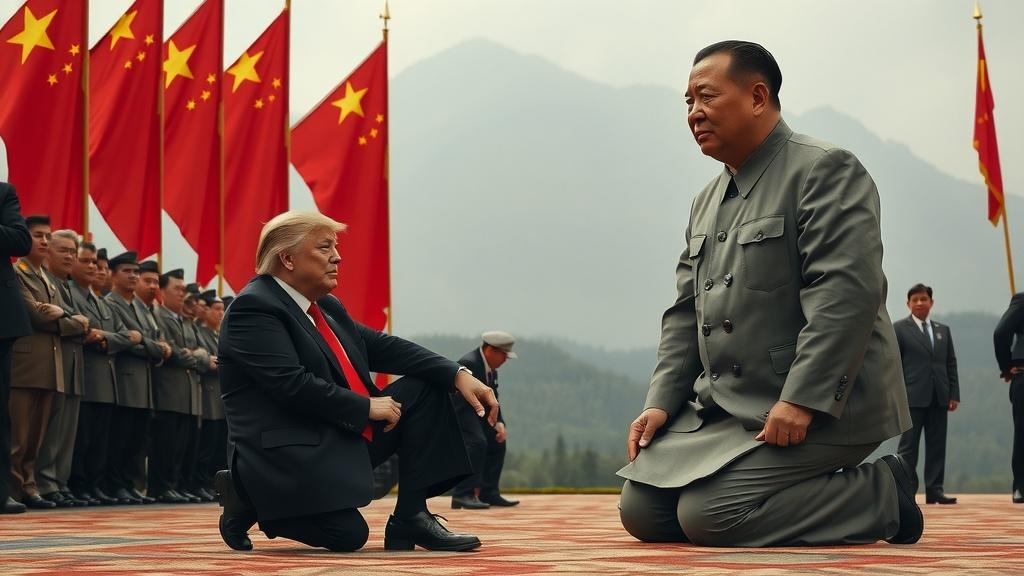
(306,423)
(14,242)
(1009,344)
(933,389)
(484,443)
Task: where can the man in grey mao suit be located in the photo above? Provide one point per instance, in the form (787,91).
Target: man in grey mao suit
(933,389)
(778,369)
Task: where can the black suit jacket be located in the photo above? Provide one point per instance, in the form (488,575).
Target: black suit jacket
(930,373)
(1009,335)
(294,424)
(14,242)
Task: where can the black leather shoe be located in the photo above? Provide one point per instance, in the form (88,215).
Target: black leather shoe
(205,495)
(70,496)
(498,500)
(425,531)
(145,499)
(911,519)
(12,506)
(469,503)
(105,499)
(171,497)
(87,497)
(126,497)
(58,499)
(939,498)
(36,501)
(237,517)
(190,496)
(1018,496)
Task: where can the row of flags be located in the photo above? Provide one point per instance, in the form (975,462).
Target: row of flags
(141,124)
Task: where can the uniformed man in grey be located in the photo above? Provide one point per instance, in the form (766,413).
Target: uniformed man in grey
(778,370)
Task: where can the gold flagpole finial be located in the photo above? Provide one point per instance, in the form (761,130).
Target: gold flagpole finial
(977,11)
(385,15)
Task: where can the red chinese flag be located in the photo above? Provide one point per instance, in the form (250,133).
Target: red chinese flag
(341,151)
(985,138)
(255,147)
(192,147)
(42,108)
(124,126)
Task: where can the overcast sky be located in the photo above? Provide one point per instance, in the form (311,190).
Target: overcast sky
(905,68)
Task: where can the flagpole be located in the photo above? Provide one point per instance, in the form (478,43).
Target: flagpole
(220,155)
(1006,225)
(386,16)
(160,113)
(85,124)
(287,99)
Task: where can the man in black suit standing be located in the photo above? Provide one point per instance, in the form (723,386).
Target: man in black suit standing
(484,443)
(1009,344)
(14,242)
(305,420)
(933,389)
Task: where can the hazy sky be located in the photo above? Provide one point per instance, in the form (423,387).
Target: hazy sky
(905,68)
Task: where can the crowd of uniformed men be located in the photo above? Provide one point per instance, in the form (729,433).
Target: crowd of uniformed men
(114,395)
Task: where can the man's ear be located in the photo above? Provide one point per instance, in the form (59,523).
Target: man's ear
(286,260)
(762,98)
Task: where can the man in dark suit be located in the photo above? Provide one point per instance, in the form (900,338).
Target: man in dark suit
(933,389)
(213,441)
(1009,344)
(189,482)
(484,443)
(129,423)
(175,390)
(306,422)
(14,242)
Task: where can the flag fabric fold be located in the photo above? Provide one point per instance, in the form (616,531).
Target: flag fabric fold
(124,126)
(341,150)
(42,108)
(255,147)
(985,138)
(192,64)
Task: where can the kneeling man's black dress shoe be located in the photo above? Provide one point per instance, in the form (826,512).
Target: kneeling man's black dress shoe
(237,518)
(939,498)
(911,519)
(425,531)
(12,506)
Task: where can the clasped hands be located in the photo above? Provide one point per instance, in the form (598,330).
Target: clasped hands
(786,425)
(479,396)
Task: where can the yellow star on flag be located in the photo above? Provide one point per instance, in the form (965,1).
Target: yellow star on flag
(211,78)
(34,34)
(67,68)
(74,50)
(276,83)
(123,29)
(271,97)
(51,79)
(127,64)
(245,69)
(380,118)
(259,103)
(205,95)
(149,40)
(140,56)
(362,140)
(191,105)
(351,103)
(177,63)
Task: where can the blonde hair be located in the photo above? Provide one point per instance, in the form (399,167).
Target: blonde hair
(286,231)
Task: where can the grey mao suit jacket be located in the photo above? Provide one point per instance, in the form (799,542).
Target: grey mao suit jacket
(781,296)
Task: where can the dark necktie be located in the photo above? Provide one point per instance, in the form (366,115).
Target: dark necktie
(926,328)
(355,383)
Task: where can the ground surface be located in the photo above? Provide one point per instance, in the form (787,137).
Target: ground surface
(546,534)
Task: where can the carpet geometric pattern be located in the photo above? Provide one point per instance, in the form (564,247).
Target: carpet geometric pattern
(545,534)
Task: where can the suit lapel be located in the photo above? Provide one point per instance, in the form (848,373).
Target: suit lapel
(922,338)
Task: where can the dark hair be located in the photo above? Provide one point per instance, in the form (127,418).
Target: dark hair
(748,58)
(164,281)
(37,220)
(87,246)
(918,288)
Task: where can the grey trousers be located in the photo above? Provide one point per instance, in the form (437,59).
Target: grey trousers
(54,465)
(805,495)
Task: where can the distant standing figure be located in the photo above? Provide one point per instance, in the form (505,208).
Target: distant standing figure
(1009,344)
(933,389)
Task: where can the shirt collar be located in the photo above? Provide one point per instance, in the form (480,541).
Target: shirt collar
(302,302)
(919,322)
(487,367)
(758,161)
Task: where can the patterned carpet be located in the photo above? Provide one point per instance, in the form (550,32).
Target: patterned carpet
(546,534)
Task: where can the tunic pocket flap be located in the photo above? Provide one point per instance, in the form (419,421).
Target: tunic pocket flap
(782,357)
(290,437)
(696,245)
(761,229)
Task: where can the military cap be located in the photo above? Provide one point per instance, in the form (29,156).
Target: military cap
(501,340)
(209,296)
(101,254)
(192,288)
(123,259)
(149,266)
(176,273)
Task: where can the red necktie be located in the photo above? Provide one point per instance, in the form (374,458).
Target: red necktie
(355,383)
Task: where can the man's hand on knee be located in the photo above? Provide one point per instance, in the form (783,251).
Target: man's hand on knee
(385,408)
(786,424)
(642,430)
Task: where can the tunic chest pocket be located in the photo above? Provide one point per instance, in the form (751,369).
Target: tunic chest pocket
(765,254)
